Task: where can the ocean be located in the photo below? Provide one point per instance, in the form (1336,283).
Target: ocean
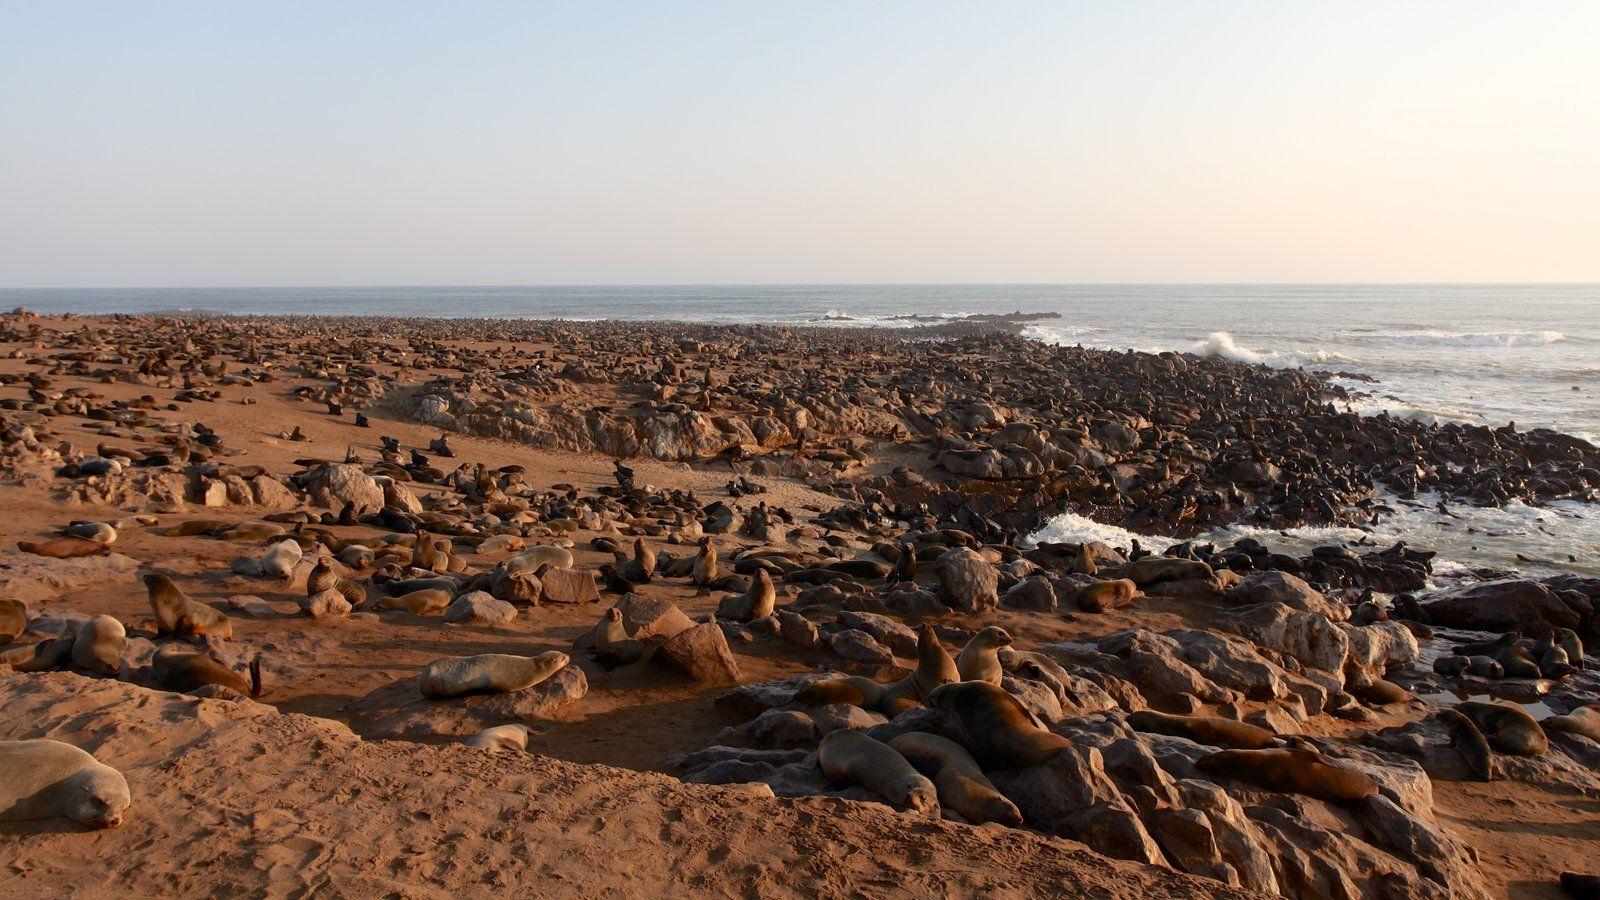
(1479,353)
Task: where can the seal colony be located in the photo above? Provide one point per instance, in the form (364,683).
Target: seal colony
(792,563)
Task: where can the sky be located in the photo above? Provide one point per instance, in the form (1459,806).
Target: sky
(208,144)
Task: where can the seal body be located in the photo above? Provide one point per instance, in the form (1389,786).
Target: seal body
(98,646)
(501,739)
(64,548)
(755,603)
(1509,729)
(851,757)
(13,620)
(453,676)
(1213,730)
(1292,770)
(999,732)
(1585,721)
(979,659)
(426,602)
(1151,569)
(531,559)
(852,690)
(45,779)
(1113,593)
(177,614)
(934,669)
(182,670)
(961,785)
(613,647)
(1469,742)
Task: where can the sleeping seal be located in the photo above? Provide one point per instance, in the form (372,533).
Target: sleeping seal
(45,779)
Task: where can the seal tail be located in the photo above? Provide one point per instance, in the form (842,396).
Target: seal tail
(255,676)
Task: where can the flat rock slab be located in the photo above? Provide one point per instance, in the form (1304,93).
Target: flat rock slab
(399,710)
(569,586)
(25,576)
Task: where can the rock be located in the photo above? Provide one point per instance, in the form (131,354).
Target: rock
(332,487)
(855,644)
(569,586)
(1072,796)
(702,653)
(1377,648)
(1032,594)
(1502,606)
(254,607)
(272,494)
(31,577)
(1231,663)
(796,629)
(967,582)
(895,635)
(1307,636)
(1283,589)
(515,587)
(645,619)
(480,607)
(753,699)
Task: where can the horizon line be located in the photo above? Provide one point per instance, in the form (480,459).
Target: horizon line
(801,284)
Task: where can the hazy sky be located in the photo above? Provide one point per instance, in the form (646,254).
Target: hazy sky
(224,143)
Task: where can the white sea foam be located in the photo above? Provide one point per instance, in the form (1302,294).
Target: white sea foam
(1441,337)
(1221,343)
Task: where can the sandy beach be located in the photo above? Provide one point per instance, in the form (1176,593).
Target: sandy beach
(886,485)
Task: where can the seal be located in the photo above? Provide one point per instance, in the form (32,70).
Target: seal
(1509,729)
(1382,692)
(1213,730)
(13,620)
(426,602)
(852,690)
(64,548)
(851,757)
(281,559)
(961,785)
(543,555)
(1295,770)
(501,739)
(612,646)
(99,532)
(1112,593)
(705,572)
(934,669)
(1469,742)
(180,669)
(757,602)
(490,673)
(642,567)
(177,614)
(48,779)
(1585,721)
(1151,569)
(999,731)
(99,644)
(979,660)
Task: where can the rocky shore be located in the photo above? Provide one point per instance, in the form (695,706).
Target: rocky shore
(793,563)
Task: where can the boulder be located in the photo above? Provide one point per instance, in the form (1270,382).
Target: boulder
(334,486)
(569,586)
(480,607)
(968,582)
(701,652)
(1501,606)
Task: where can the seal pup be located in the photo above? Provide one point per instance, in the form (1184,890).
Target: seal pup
(961,785)
(851,757)
(999,731)
(177,614)
(1294,770)
(64,548)
(1113,593)
(1213,730)
(757,602)
(180,669)
(979,659)
(13,620)
(613,647)
(45,779)
(453,676)
(934,669)
(501,739)
(322,577)
(99,644)
(1469,742)
(1509,729)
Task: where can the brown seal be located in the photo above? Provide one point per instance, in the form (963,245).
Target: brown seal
(13,620)
(1213,730)
(426,602)
(1294,770)
(98,646)
(501,739)
(851,757)
(64,548)
(46,779)
(999,731)
(1469,742)
(961,784)
(454,676)
(979,660)
(612,646)
(1585,721)
(755,603)
(934,668)
(1509,729)
(852,690)
(1113,593)
(177,614)
(180,669)
(1151,569)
